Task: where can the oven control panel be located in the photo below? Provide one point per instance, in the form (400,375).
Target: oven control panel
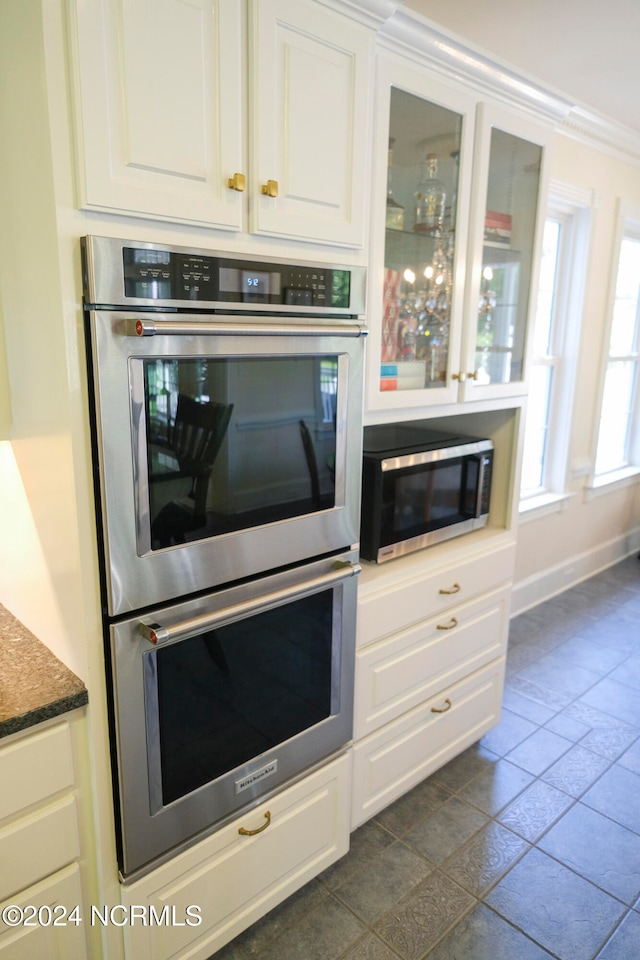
(162,274)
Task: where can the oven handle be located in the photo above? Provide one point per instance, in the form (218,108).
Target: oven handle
(188,328)
(155,633)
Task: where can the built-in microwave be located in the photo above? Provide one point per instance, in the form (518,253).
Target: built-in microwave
(421,486)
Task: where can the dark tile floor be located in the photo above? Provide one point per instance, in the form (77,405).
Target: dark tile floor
(525,847)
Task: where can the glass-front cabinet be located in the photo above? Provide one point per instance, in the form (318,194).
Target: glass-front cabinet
(507,220)
(452,279)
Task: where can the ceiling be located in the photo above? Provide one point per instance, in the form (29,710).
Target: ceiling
(588,50)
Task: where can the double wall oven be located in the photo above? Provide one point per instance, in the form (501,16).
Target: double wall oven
(226,398)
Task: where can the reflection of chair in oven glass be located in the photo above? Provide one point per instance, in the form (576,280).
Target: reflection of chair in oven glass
(196,437)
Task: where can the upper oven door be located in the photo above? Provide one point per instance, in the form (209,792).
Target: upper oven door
(225,447)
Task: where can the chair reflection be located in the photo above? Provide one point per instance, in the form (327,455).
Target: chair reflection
(195,440)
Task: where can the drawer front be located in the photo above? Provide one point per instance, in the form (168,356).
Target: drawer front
(235,879)
(35,846)
(421,596)
(48,940)
(388,763)
(34,768)
(401,672)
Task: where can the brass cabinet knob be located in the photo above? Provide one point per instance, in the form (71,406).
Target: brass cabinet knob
(473,375)
(459,376)
(270,188)
(237,182)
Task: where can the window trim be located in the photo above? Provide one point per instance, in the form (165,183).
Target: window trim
(573,207)
(627,225)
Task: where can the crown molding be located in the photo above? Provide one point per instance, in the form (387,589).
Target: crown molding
(370,12)
(409,34)
(594,130)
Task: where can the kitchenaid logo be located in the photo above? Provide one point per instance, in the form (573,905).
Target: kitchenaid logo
(260,774)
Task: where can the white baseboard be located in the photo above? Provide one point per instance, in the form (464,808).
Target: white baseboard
(554,580)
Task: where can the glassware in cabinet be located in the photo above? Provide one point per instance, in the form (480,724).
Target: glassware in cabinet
(419,243)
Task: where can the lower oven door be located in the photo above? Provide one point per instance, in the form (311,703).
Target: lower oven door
(219,700)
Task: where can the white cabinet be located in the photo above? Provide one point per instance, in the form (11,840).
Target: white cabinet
(432,638)
(235,876)
(40,846)
(454,245)
(216,113)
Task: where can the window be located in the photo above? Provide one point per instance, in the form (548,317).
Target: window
(555,344)
(616,452)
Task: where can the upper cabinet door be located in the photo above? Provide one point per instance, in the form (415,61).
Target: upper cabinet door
(309,106)
(159,108)
(424,151)
(506,232)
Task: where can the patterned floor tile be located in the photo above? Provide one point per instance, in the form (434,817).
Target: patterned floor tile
(480,863)
(576,771)
(533,812)
(416,925)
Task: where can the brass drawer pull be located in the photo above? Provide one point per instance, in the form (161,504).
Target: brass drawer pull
(442,709)
(447,626)
(251,833)
(270,188)
(454,589)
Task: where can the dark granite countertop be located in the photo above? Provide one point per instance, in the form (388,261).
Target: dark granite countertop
(34,684)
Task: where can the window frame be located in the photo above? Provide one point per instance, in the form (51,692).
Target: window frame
(627,227)
(572,207)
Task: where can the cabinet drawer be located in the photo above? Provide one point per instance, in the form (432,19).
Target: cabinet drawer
(33,847)
(425,594)
(401,672)
(236,879)
(34,768)
(388,763)
(48,940)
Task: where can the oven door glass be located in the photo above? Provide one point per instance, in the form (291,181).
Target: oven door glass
(234,443)
(228,695)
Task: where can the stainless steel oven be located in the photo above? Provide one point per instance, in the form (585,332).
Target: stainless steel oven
(220,700)
(226,402)
(228,414)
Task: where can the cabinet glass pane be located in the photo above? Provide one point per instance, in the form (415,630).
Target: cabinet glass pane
(514,173)
(422,186)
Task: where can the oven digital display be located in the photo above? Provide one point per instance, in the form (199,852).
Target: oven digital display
(153,274)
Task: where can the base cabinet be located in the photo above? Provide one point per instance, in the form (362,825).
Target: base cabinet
(40,848)
(430,662)
(232,878)
(389,763)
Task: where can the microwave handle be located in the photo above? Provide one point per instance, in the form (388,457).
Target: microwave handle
(481,472)
(133,327)
(155,633)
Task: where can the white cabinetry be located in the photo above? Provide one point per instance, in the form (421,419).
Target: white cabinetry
(224,114)
(235,877)
(40,846)
(451,299)
(432,636)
